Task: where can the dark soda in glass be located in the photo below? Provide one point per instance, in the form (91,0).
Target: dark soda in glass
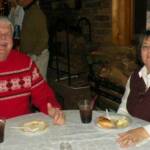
(86,115)
(2,128)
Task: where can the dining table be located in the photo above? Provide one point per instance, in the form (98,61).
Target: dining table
(79,135)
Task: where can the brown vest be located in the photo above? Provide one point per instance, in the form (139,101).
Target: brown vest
(138,102)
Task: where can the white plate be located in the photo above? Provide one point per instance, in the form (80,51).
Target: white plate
(119,120)
(34,127)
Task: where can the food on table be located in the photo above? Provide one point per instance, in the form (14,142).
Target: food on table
(105,122)
(114,122)
(34,126)
(122,122)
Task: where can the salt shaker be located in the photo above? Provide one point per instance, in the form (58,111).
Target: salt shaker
(65,146)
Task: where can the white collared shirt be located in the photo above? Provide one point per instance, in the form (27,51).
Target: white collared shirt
(122,108)
(16,15)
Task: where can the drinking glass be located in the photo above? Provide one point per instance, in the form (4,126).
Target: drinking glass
(65,146)
(2,128)
(85,111)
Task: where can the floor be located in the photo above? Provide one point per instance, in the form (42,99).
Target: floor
(69,96)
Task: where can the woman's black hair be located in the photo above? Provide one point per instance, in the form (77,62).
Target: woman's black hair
(144,35)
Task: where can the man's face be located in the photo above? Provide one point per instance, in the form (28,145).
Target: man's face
(13,3)
(6,41)
(24,3)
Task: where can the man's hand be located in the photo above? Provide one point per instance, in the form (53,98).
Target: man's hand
(56,114)
(132,137)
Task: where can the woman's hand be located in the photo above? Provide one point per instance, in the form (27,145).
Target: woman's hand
(56,114)
(132,137)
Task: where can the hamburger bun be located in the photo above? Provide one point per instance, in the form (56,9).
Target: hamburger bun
(105,122)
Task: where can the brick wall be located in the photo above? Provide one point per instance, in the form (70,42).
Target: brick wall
(99,14)
(97,11)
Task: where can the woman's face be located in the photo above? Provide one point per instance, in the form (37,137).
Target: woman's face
(145,53)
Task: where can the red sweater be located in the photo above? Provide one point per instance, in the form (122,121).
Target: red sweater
(20,81)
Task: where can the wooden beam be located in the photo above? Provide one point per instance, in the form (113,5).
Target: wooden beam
(122,22)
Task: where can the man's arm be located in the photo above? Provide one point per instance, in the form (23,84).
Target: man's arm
(43,97)
(40,91)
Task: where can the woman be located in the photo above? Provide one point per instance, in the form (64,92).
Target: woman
(136,99)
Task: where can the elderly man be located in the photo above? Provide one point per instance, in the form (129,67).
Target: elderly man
(21,82)
(34,35)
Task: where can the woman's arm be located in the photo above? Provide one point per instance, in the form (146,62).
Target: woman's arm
(122,108)
(147,128)
(132,137)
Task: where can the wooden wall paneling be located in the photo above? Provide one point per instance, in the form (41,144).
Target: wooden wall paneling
(122,13)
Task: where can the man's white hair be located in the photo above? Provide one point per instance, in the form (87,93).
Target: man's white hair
(7,21)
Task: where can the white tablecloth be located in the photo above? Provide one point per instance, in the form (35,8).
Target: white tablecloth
(80,136)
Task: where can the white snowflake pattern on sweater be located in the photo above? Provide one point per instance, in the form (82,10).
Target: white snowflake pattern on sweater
(3,86)
(27,81)
(15,84)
